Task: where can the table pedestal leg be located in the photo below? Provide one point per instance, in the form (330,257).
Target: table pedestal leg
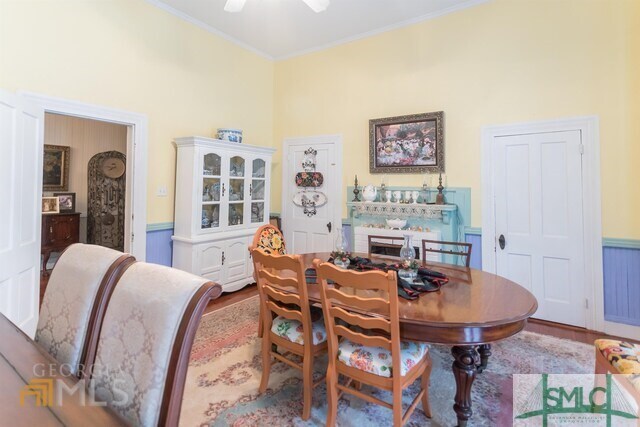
(485,352)
(464,371)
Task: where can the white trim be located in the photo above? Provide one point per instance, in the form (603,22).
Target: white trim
(621,330)
(287,175)
(208,28)
(397,25)
(136,164)
(415,20)
(592,212)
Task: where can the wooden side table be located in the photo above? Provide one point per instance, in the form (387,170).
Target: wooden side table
(58,232)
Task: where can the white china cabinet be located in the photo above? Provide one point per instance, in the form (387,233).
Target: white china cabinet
(222,197)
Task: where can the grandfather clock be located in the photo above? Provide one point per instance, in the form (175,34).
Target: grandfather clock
(105,200)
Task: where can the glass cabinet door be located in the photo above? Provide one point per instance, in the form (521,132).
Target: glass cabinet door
(211,180)
(236,190)
(257,190)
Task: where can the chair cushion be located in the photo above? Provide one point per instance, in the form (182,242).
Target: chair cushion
(377,360)
(624,356)
(292,330)
(271,241)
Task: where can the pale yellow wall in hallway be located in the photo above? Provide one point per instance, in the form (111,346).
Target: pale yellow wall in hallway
(130,55)
(501,62)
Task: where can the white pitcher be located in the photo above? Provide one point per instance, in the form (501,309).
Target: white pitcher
(369,193)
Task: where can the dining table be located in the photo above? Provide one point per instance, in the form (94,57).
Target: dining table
(468,313)
(35,390)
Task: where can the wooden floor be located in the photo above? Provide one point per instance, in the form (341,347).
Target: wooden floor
(540,326)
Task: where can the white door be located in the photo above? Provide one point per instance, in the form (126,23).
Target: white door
(21,145)
(313,231)
(538,210)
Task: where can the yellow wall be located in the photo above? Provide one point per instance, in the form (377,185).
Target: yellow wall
(502,62)
(130,55)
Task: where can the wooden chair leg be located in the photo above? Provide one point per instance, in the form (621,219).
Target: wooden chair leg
(424,382)
(332,398)
(397,407)
(307,385)
(260,322)
(266,363)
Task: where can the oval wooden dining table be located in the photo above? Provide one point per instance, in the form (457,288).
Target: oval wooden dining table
(469,313)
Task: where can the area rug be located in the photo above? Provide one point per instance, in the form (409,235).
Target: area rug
(225,369)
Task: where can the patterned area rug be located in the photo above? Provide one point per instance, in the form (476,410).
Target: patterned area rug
(225,369)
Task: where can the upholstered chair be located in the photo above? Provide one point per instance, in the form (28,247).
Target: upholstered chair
(145,342)
(622,358)
(366,347)
(73,304)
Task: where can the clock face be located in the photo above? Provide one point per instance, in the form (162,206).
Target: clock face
(113,167)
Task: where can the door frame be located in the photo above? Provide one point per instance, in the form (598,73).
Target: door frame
(137,137)
(589,127)
(336,140)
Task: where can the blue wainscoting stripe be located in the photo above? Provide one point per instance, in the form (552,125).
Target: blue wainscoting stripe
(476,249)
(621,268)
(160,245)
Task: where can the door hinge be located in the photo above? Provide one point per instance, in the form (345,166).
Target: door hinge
(581,148)
(586,303)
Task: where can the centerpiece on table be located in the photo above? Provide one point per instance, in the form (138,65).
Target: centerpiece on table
(341,253)
(408,264)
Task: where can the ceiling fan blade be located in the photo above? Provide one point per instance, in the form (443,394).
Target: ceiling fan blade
(234,5)
(317,5)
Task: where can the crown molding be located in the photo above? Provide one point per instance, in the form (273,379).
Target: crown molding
(398,25)
(190,19)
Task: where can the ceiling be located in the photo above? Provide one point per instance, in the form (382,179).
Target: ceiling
(280,29)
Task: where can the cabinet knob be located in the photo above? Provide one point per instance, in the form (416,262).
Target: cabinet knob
(223,188)
(51,230)
(223,258)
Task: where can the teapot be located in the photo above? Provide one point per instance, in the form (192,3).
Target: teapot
(369,193)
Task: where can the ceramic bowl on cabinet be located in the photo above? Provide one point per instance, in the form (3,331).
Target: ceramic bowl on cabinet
(231,135)
(396,223)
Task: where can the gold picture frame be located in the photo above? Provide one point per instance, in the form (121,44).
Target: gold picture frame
(55,168)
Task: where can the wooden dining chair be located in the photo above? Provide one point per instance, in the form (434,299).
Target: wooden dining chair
(73,305)
(384,242)
(293,328)
(270,240)
(461,249)
(145,342)
(366,347)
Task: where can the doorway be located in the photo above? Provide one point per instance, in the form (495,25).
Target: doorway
(541,215)
(135,211)
(312,208)
(85,168)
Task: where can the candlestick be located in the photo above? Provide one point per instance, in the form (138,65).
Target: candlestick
(440,196)
(356,191)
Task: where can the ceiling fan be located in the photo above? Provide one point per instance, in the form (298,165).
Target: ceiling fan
(315,5)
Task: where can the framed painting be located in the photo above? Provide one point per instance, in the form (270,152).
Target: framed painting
(55,165)
(407,144)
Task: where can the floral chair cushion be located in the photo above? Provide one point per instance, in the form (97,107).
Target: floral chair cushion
(377,360)
(624,356)
(292,330)
(271,241)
